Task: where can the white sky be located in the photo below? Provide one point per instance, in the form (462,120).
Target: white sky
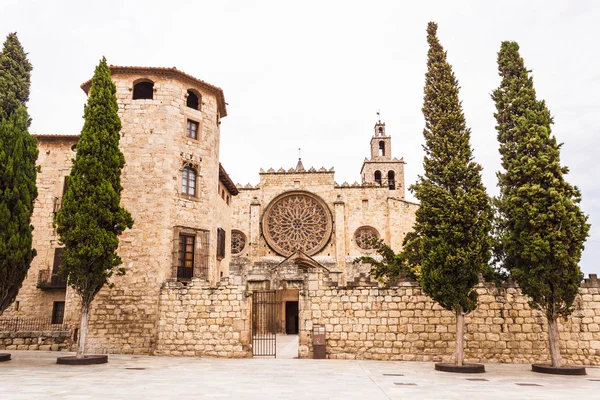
(312,74)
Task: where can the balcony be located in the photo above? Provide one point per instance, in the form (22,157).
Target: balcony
(48,280)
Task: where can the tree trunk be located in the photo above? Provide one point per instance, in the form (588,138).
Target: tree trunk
(553,341)
(460,333)
(85,308)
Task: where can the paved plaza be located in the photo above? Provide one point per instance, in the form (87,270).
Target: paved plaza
(34,375)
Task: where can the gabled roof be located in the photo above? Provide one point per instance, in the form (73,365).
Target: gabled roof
(218,92)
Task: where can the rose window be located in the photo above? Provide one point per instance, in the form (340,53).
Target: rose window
(297,221)
(238,242)
(363,236)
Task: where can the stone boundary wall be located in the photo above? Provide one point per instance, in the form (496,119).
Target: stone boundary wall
(401,323)
(44,341)
(202,321)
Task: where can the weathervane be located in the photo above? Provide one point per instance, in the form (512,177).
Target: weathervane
(378,116)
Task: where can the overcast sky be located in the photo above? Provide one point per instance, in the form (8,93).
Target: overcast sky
(313,74)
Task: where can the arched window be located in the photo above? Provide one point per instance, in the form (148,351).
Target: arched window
(380,131)
(188,181)
(382,148)
(193,100)
(378,177)
(143,90)
(392,180)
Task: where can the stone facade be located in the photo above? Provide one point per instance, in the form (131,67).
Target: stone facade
(201,247)
(200,320)
(365,321)
(158,147)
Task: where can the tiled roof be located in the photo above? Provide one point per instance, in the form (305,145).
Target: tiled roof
(55,136)
(168,71)
(227,182)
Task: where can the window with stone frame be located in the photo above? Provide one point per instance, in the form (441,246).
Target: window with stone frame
(378,177)
(363,237)
(143,90)
(188,180)
(191,130)
(187,246)
(190,253)
(220,243)
(193,100)
(238,242)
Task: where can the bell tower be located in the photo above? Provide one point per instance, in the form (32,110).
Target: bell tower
(382,169)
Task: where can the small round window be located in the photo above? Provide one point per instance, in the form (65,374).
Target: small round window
(238,242)
(363,235)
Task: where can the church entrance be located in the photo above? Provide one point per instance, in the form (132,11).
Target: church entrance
(291,317)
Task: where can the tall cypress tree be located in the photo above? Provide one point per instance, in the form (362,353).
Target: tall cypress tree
(451,233)
(18,155)
(541,227)
(15,76)
(91,218)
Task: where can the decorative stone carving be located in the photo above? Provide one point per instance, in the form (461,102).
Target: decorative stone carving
(363,235)
(297,221)
(238,242)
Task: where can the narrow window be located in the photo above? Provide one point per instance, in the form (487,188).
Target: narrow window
(188,181)
(380,131)
(16,306)
(143,90)
(365,203)
(58,312)
(391,180)
(220,243)
(193,101)
(382,148)
(378,177)
(185,269)
(192,129)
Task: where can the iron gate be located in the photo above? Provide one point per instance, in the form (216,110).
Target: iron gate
(264,323)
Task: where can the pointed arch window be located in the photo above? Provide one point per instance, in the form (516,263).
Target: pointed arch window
(392,180)
(143,90)
(188,181)
(378,177)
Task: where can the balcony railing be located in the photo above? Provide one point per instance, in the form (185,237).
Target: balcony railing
(20,324)
(48,280)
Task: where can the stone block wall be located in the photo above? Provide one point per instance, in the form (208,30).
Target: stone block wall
(44,341)
(401,323)
(199,320)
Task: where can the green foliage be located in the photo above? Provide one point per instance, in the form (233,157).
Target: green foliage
(451,234)
(15,76)
(541,228)
(18,155)
(390,266)
(91,218)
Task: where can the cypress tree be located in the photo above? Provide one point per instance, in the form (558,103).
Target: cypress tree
(91,218)
(18,155)
(15,76)
(451,234)
(541,227)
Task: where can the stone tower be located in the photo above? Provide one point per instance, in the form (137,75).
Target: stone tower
(382,169)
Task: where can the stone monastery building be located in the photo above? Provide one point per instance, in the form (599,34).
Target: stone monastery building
(215,269)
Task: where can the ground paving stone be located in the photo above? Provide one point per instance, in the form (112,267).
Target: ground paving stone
(34,375)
